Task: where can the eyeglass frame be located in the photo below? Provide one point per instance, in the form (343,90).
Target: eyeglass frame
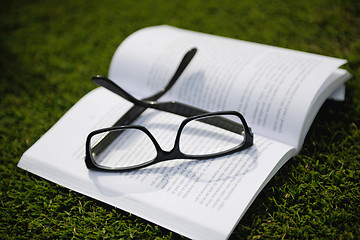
(171,107)
(175,152)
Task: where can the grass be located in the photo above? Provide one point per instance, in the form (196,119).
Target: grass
(49,51)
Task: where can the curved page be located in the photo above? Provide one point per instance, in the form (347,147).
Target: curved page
(198,199)
(272,87)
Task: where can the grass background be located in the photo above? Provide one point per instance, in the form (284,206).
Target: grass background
(50,49)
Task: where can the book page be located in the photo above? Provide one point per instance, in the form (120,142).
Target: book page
(272,87)
(212,194)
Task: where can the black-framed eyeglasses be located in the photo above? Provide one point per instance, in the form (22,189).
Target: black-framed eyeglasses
(202,135)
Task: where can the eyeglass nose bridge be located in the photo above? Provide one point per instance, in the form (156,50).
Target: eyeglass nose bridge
(174,152)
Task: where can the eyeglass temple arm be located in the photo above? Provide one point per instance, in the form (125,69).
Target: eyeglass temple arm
(183,64)
(189,111)
(171,107)
(110,85)
(136,110)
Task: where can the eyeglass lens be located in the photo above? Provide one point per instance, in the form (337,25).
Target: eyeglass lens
(130,148)
(205,138)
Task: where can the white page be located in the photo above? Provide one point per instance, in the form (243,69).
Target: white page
(336,91)
(212,194)
(272,87)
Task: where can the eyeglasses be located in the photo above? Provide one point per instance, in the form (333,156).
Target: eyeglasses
(202,135)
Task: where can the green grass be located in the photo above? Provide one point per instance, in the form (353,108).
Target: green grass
(49,50)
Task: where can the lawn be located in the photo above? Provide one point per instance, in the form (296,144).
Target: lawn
(50,50)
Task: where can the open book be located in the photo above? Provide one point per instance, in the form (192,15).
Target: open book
(279,92)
